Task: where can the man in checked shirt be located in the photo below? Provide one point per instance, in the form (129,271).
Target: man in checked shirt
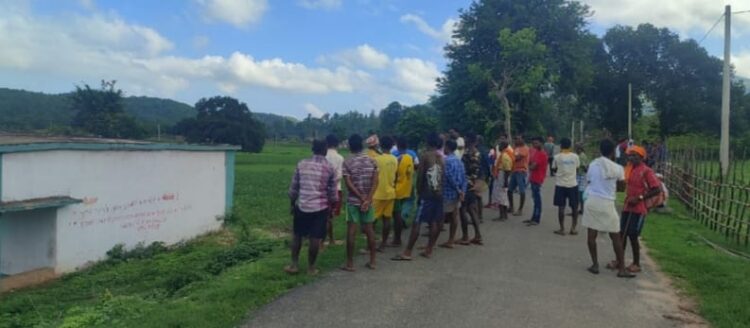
(312,193)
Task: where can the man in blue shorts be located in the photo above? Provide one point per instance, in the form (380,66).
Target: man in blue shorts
(430,191)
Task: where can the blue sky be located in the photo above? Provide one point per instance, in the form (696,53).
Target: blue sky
(290,57)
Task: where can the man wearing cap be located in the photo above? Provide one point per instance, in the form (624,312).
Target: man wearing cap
(372,146)
(642,184)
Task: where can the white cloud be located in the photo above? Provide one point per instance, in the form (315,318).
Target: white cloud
(314,110)
(90,48)
(741,64)
(445,33)
(87,4)
(239,13)
(416,77)
(321,4)
(364,55)
(201,42)
(681,15)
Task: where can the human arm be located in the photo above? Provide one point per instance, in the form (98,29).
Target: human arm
(294,189)
(368,201)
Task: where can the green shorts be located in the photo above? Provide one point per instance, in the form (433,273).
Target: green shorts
(355,215)
(398,207)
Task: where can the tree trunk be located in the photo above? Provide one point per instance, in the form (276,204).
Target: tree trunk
(502,95)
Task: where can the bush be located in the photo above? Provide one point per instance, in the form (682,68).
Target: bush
(118,253)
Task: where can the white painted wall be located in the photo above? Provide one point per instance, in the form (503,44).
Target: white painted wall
(27,241)
(129,196)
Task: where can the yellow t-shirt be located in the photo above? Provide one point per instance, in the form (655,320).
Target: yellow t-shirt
(387,166)
(404,176)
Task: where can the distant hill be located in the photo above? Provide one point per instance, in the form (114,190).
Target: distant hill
(22,110)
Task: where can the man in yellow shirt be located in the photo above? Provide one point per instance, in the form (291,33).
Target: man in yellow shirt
(404,178)
(385,194)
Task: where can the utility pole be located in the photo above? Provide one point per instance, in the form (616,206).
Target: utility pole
(724,148)
(630,112)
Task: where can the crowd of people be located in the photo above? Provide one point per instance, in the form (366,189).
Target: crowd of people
(385,179)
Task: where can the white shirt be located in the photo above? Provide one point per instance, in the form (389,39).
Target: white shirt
(461,146)
(337,161)
(601,186)
(566,164)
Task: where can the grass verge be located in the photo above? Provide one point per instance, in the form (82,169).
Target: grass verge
(720,282)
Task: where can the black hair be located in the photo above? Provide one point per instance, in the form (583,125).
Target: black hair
(319,147)
(386,143)
(355,143)
(450,145)
(504,142)
(332,141)
(402,143)
(565,143)
(606,147)
(471,138)
(434,140)
(540,139)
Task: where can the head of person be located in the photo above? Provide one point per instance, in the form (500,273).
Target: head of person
(636,155)
(372,142)
(471,139)
(503,144)
(402,143)
(319,147)
(453,133)
(550,139)
(450,146)
(332,141)
(565,143)
(537,142)
(519,141)
(386,143)
(355,143)
(607,148)
(434,141)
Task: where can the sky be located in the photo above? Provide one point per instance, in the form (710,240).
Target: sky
(289,57)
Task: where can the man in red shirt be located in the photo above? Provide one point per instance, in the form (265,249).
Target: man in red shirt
(642,184)
(538,171)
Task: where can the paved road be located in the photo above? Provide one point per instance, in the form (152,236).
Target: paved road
(522,277)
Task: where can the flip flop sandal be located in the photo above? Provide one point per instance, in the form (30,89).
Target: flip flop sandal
(464,242)
(558,232)
(291,270)
(633,268)
(347,269)
(477,242)
(625,275)
(370,266)
(446,245)
(612,265)
(401,258)
(593,270)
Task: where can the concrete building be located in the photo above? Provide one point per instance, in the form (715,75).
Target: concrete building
(65,202)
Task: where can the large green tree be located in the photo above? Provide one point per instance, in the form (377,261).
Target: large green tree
(224,120)
(558,25)
(101,112)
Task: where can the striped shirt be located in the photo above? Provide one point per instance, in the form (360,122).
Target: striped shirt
(454,178)
(313,186)
(361,169)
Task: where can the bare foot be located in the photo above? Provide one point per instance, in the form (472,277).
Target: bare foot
(560,232)
(291,269)
(348,268)
(448,245)
(370,266)
(425,255)
(593,269)
(313,272)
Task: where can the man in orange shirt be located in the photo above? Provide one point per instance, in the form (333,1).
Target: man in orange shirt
(519,177)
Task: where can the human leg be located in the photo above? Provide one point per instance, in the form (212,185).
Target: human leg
(591,242)
(370,233)
(537,195)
